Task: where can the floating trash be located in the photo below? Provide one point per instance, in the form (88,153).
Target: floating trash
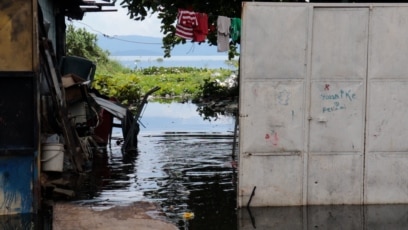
(188,215)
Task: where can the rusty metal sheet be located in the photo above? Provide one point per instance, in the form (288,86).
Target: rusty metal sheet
(16,35)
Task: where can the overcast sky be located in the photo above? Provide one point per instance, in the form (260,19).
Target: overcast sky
(118,23)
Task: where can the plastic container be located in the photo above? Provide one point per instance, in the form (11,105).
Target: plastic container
(52,157)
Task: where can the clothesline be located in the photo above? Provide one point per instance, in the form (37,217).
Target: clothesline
(194,26)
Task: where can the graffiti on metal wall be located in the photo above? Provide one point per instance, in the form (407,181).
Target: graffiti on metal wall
(337,99)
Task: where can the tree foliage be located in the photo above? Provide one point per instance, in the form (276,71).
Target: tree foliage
(80,42)
(167,12)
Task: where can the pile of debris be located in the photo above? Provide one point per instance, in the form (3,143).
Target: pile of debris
(76,120)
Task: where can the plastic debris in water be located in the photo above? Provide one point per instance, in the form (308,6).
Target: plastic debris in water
(188,215)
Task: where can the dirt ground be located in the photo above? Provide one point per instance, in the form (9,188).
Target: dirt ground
(139,215)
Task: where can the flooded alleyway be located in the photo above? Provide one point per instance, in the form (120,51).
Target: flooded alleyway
(184,176)
(184,173)
(184,164)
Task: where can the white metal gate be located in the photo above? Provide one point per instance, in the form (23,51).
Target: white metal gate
(324,91)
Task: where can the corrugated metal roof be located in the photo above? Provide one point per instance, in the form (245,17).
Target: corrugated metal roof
(75,9)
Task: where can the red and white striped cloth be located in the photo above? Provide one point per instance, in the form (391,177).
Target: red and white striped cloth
(186,21)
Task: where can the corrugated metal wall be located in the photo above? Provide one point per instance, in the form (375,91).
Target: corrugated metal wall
(48,10)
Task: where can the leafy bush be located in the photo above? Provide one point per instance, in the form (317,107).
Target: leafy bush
(124,87)
(178,83)
(214,96)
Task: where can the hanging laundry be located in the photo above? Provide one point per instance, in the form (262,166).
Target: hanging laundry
(201,30)
(235,29)
(186,21)
(223,32)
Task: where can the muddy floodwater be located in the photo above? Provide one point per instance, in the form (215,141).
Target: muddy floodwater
(186,166)
(184,163)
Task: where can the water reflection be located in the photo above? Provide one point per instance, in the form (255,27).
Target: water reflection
(187,165)
(196,177)
(183,172)
(111,181)
(183,163)
(358,217)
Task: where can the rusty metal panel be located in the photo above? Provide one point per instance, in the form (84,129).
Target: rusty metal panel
(274,49)
(16,35)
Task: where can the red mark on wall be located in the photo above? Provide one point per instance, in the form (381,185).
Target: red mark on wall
(327,87)
(267,136)
(275,139)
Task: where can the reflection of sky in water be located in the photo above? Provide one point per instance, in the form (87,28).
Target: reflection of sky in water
(178,117)
(184,164)
(191,172)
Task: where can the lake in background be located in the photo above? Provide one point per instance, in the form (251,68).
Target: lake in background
(209,62)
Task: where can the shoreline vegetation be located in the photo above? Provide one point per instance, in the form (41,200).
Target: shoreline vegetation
(208,88)
(214,91)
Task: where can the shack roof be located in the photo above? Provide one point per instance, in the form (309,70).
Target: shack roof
(75,9)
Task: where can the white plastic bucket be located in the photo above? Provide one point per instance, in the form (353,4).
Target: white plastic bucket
(52,157)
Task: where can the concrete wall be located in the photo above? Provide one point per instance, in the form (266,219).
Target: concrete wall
(324,93)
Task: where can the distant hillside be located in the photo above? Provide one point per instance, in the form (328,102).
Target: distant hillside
(134,45)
